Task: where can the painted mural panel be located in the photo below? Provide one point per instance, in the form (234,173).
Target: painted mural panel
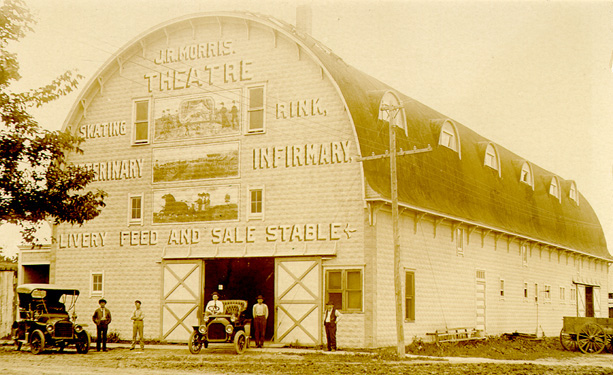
(219,160)
(204,203)
(207,115)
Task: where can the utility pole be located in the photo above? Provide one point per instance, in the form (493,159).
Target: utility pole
(393,112)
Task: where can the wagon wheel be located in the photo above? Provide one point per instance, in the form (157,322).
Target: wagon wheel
(240,342)
(194,343)
(83,342)
(568,341)
(37,342)
(591,338)
(609,343)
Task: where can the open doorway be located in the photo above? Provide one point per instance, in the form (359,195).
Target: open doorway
(243,278)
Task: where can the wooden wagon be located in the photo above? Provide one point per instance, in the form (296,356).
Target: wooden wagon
(590,335)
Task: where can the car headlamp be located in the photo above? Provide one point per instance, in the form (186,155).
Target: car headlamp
(50,328)
(78,329)
(229,329)
(233,318)
(202,329)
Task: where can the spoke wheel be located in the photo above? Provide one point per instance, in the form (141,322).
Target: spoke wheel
(240,342)
(83,343)
(568,341)
(37,342)
(591,338)
(194,343)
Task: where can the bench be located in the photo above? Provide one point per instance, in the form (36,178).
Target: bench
(455,335)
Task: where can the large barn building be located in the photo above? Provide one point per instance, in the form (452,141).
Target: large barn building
(231,147)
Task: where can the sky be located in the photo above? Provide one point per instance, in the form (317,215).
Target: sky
(532,76)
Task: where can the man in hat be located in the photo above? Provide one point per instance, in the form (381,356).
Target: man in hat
(331,318)
(102,319)
(260,315)
(138,316)
(214,307)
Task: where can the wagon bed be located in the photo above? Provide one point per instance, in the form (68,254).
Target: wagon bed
(588,334)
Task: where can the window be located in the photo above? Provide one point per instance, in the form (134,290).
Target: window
(562,294)
(526,175)
(344,289)
(449,137)
(524,254)
(525,291)
(97,284)
(536,292)
(256,203)
(255,110)
(135,204)
(141,122)
(572,193)
(547,293)
(491,158)
(391,106)
(554,187)
(459,241)
(409,296)
(501,288)
(573,293)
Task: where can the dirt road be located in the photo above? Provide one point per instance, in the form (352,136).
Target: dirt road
(165,360)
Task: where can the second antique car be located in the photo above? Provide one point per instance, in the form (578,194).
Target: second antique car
(229,327)
(45,322)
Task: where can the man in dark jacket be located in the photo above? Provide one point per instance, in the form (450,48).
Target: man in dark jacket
(102,319)
(331,318)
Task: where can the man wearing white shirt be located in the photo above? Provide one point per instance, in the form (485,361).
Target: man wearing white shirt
(138,316)
(260,315)
(214,307)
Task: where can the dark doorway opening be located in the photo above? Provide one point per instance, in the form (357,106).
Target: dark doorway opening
(243,278)
(589,301)
(36,274)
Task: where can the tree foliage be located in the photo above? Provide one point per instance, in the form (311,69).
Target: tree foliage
(36,182)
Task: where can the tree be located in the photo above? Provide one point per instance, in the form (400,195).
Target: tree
(36,182)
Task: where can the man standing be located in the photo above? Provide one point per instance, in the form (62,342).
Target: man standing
(137,317)
(102,319)
(260,315)
(331,318)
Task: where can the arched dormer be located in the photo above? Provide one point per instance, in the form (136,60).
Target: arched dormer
(555,188)
(526,175)
(491,158)
(573,193)
(449,137)
(390,106)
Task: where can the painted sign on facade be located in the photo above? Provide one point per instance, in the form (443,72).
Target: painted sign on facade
(205,203)
(219,160)
(188,117)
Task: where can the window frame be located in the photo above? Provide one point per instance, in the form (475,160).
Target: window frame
(573,193)
(249,109)
(527,168)
(451,131)
(344,290)
(526,291)
(135,101)
(495,157)
(255,215)
(409,298)
(524,254)
(459,241)
(131,220)
(501,288)
(547,293)
(562,294)
(555,188)
(92,292)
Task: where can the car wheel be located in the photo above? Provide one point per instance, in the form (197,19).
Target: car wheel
(83,342)
(240,342)
(194,343)
(37,342)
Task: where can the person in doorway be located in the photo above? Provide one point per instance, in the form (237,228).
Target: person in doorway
(138,317)
(331,318)
(260,315)
(102,319)
(214,306)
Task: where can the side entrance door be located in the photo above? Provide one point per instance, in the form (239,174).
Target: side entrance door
(298,300)
(480,299)
(181,298)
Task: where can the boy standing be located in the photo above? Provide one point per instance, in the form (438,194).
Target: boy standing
(137,326)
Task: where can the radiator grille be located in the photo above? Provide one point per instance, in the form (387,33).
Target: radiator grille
(216,331)
(63,329)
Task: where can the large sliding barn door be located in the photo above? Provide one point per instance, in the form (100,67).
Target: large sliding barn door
(298,300)
(181,298)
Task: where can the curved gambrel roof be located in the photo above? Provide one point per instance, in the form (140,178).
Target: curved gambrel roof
(439,181)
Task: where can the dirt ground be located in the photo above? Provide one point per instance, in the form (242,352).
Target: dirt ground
(163,360)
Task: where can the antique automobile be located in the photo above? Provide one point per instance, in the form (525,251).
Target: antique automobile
(44,322)
(229,327)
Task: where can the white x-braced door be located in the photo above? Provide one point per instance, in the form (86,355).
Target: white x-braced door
(298,300)
(181,298)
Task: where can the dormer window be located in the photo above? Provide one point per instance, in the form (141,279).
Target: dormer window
(449,137)
(526,175)
(554,187)
(491,158)
(572,193)
(390,108)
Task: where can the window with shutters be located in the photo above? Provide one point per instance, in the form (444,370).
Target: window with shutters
(409,296)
